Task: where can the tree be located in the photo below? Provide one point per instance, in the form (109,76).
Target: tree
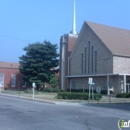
(36,65)
(53,82)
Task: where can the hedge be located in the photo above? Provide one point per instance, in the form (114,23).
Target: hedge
(79,96)
(86,90)
(123,95)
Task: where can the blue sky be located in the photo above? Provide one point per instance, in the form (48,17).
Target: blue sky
(28,21)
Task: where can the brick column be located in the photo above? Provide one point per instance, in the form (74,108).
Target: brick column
(108,85)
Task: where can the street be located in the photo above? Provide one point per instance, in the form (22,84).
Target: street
(21,114)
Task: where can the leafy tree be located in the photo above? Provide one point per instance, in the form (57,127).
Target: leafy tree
(53,82)
(36,65)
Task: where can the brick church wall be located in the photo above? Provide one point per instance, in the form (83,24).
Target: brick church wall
(102,52)
(121,64)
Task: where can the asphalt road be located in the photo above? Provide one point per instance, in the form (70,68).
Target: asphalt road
(20,114)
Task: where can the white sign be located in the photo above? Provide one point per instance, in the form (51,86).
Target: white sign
(90,80)
(33,84)
(98,89)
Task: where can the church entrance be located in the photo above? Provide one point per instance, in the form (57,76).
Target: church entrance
(128,88)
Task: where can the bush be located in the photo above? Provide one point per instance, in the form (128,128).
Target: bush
(86,90)
(123,95)
(5,88)
(26,91)
(53,82)
(79,96)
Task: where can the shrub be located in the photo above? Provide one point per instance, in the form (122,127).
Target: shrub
(104,92)
(5,88)
(53,82)
(123,95)
(47,90)
(86,90)
(26,91)
(75,95)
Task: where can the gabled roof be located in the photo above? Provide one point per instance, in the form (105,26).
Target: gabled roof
(12,65)
(117,40)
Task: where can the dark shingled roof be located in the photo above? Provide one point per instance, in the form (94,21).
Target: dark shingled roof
(117,40)
(12,65)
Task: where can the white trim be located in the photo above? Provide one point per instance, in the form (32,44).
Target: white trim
(127,56)
(73,35)
(110,74)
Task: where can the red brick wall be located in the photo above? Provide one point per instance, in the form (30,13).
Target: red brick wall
(7,77)
(70,41)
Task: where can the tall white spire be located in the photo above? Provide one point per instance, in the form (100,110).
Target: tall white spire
(74,21)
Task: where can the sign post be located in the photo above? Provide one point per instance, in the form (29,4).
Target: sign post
(90,81)
(91,84)
(92,90)
(89,91)
(33,85)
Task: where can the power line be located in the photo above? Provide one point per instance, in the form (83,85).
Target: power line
(15,38)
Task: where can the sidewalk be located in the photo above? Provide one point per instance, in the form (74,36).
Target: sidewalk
(50,98)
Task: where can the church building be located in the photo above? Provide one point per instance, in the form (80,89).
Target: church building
(100,52)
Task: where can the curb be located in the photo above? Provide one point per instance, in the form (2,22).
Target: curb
(28,98)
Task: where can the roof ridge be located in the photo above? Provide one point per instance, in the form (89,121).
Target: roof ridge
(107,25)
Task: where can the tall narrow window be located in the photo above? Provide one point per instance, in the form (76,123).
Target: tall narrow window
(82,63)
(24,83)
(85,59)
(88,56)
(13,80)
(95,61)
(92,59)
(1,80)
(73,84)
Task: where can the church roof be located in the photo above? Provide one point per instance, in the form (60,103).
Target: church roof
(11,65)
(117,40)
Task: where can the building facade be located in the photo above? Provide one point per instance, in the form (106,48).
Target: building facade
(101,52)
(10,76)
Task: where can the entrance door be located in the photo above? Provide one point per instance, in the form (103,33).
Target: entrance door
(127,88)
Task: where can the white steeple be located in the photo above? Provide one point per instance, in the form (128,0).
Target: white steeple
(74,21)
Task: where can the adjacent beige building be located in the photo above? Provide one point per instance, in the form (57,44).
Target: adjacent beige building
(102,53)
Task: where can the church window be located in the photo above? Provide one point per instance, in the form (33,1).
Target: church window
(105,84)
(24,83)
(89,57)
(95,61)
(85,58)
(1,79)
(13,80)
(73,84)
(92,59)
(82,63)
